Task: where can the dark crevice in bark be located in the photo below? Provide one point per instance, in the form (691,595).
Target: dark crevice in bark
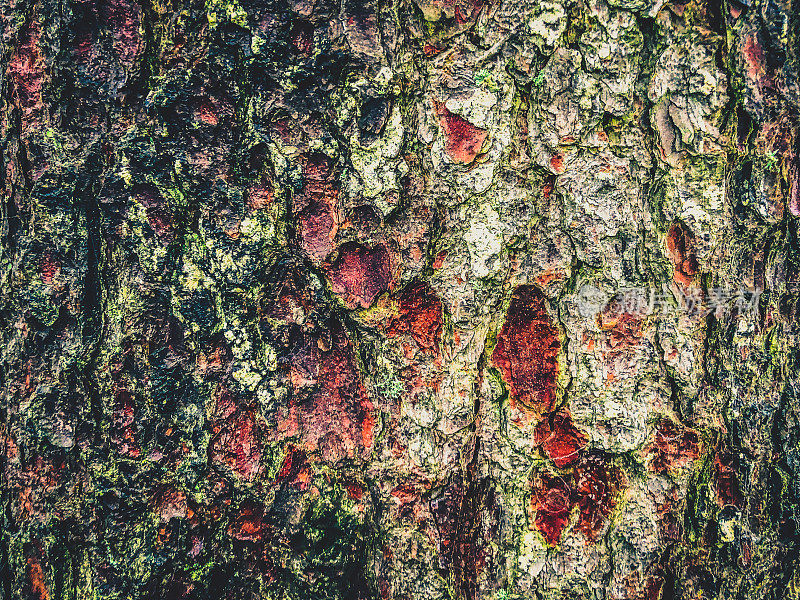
(92,315)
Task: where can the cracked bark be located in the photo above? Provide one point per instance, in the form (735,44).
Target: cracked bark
(395,299)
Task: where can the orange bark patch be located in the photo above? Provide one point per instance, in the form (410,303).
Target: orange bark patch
(559,438)
(420,315)
(463,140)
(360,274)
(527,351)
(557,163)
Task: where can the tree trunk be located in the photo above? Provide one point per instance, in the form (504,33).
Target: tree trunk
(418,300)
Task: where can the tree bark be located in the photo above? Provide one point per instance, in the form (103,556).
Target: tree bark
(414,299)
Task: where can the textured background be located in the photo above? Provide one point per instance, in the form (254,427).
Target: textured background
(293,299)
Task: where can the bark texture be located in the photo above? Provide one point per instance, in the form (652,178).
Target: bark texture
(306,299)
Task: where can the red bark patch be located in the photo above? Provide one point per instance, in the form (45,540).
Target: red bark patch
(26,72)
(552,503)
(248,525)
(653,587)
(295,468)
(669,520)
(557,163)
(597,483)
(548,187)
(463,140)
(459,514)
(420,315)
(794,194)
(122,18)
(259,196)
(158,214)
(122,433)
(729,492)
(623,329)
(336,418)
(406,497)
(355,491)
(37,580)
(206,112)
(360,274)
(673,446)
(341,389)
(681,249)
(170,503)
(466,11)
(438,262)
(365,219)
(36,485)
(302,36)
(236,444)
(560,440)
(754,57)
(49,266)
(83,45)
(592,487)
(777,137)
(316,207)
(329,410)
(292,296)
(527,351)
(317,168)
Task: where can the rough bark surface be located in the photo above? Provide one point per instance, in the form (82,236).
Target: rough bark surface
(312,299)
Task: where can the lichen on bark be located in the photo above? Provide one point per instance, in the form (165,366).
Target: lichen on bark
(441,299)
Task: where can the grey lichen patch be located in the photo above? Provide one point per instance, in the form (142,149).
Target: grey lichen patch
(690,94)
